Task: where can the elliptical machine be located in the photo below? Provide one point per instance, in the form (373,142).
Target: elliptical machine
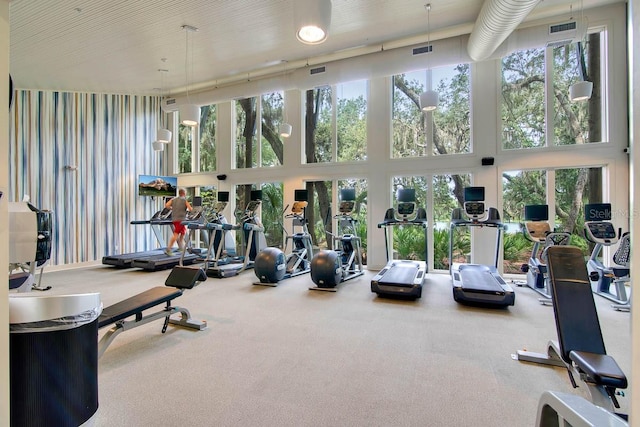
(537,230)
(329,268)
(253,241)
(271,265)
(600,231)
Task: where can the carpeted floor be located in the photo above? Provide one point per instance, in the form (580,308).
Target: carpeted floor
(287,356)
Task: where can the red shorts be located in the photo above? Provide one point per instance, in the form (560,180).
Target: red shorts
(178,227)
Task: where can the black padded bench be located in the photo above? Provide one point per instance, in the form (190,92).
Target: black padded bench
(580,346)
(129,313)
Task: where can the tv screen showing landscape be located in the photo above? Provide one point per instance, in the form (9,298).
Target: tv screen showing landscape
(161,186)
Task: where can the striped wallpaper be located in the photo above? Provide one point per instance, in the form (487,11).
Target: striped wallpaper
(108,138)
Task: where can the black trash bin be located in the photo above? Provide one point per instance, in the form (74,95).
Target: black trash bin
(53,359)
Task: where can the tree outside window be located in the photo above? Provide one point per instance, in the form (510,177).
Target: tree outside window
(447,130)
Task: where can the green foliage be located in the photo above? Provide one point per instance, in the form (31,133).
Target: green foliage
(409,243)
(207,138)
(352,129)
(246,150)
(522,188)
(523,103)
(441,249)
(184,148)
(516,251)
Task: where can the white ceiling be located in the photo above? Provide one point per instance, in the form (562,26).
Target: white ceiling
(118,46)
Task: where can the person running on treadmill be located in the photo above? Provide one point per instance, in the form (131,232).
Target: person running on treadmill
(179,207)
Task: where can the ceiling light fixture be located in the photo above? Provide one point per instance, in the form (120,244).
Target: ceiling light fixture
(312,19)
(285,128)
(581,90)
(189,113)
(429,98)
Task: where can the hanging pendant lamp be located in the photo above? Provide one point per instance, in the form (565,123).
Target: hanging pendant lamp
(580,91)
(429,98)
(189,113)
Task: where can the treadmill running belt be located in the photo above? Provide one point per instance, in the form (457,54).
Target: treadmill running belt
(400,274)
(479,278)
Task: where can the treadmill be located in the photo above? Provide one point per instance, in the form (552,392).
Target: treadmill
(402,278)
(162,217)
(478,283)
(161,261)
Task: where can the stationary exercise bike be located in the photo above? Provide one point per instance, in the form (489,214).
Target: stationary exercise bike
(599,230)
(271,265)
(330,268)
(537,230)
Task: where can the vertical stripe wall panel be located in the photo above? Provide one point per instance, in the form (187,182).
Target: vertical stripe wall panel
(108,138)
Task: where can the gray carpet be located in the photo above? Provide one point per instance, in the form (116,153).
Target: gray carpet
(287,356)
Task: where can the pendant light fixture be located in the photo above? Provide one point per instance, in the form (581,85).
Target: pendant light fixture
(581,90)
(285,128)
(163,135)
(429,98)
(312,19)
(189,113)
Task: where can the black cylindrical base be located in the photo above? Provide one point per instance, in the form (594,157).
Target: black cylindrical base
(54,376)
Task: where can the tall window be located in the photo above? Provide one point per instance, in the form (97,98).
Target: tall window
(520,188)
(246,124)
(185,148)
(359,210)
(335,128)
(208,119)
(408,242)
(574,189)
(447,130)
(448,194)
(267,113)
(523,100)
(272,220)
(530,117)
(578,122)
(271,146)
(319,213)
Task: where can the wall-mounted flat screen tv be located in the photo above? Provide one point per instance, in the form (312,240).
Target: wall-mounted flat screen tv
(154,185)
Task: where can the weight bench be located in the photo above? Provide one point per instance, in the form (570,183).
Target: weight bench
(580,346)
(129,313)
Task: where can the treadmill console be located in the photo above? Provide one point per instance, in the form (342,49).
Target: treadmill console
(406,208)
(406,204)
(474,209)
(597,224)
(474,202)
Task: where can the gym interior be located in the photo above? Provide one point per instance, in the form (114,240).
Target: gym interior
(239,354)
